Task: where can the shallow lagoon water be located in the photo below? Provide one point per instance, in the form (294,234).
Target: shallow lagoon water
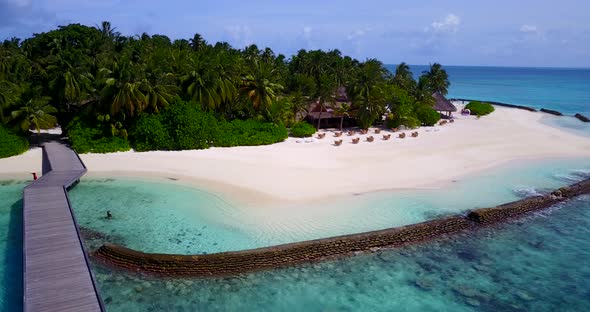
(11,224)
(163,217)
(569,124)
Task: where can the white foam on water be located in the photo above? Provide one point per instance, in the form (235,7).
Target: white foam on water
(582,173)
(568,177)
(526,191)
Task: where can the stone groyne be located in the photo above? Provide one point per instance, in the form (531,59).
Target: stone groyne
(552,112)
(530,109)
(236,262)
(544,110)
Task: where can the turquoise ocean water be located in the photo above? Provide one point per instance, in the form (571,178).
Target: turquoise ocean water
(539,264)
(562,89)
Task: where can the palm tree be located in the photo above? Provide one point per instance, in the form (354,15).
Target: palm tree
(257,85)
(4,64)
(69,86)
(299,104)
(279,111)
(403,77)
(181,44)
(342,111)
(120,93)
(158,95)
(368,76)
(107,30)
(197,43)
(268,55)
(9,94)
(34,113)
(372,107)
(325,92)
(437,79)
(208,83)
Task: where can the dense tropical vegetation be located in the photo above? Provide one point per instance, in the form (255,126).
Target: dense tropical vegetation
(11,144)
(111,92)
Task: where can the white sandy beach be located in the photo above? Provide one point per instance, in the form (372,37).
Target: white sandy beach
(303,171)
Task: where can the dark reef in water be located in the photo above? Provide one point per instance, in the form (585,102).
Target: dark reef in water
(582,117)
(236,262)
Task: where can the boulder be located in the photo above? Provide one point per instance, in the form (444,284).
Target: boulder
(552,112)
(582,117)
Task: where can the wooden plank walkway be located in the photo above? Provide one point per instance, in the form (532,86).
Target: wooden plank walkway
(57,275)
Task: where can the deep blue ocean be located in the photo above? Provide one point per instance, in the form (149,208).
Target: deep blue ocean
(564,89)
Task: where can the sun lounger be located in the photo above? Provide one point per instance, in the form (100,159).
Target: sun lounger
(364,131)
(402,135)
(377,131)
(370,138)
(386,137)
(356,140)
(338,134)
(338,142)
(321,135)
(351,133)
(415,134)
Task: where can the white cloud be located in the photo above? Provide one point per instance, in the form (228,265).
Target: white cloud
(307,32)
(528,29)
(19,3)
(449,25)
(531,32)
(356,34)
(439,35)
(241,35)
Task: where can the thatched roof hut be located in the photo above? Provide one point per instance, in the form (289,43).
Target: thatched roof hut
(341,95)
(442,104)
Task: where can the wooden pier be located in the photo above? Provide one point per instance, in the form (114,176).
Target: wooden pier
(56,271)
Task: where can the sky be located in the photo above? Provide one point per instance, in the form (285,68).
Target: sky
(539,33)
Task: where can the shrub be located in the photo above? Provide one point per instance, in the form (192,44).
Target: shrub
(409,122)
(87,138)
(249,133)
(150,134)
(188,127)
(366,117)
(302,129)
(427,116)
(391,121)
(11,144)
(479,108)
(184,126)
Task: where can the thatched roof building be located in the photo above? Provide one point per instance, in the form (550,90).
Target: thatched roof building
(341,95)
(442,104)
